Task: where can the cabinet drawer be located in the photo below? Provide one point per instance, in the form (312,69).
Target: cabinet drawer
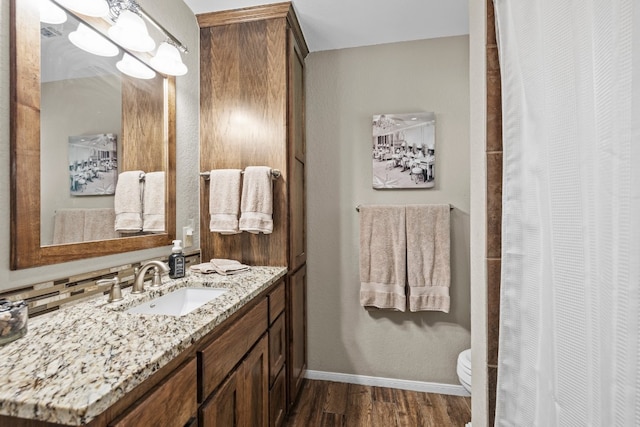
(171,403)
(276,302)
(222,355)
(277,347)
(278,400)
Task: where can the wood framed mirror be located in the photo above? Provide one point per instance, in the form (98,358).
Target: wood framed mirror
(146,141)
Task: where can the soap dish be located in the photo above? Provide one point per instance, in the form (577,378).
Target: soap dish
(13,320)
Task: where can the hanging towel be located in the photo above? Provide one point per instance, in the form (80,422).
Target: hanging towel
(227,267)
(128,202)
(257,200)
(428,265)
(224,200)
(98,224)
(68,226)
(383,257)
(153,202)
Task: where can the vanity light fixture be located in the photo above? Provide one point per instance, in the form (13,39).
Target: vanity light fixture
(134,68)
(130,32)
(51,14)
(128,29)
(97,8)
(89,40)
(167,60)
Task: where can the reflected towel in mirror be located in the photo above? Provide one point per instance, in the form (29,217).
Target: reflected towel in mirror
(128,202)
(153,203)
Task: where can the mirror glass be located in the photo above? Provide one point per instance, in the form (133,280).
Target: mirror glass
(81,135)
(77,124)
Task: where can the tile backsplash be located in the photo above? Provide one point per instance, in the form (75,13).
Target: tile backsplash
(49,296)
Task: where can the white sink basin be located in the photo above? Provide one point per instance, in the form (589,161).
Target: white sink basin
(179,302)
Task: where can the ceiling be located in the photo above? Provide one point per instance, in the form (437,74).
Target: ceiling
(338,24)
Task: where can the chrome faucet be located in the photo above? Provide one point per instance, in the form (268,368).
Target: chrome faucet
(138,283)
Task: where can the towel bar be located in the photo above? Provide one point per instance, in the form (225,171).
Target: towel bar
(358,208)
(275,174)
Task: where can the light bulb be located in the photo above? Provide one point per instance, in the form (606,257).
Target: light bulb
(131,33)
(134,68)
(168,61)
(89,40)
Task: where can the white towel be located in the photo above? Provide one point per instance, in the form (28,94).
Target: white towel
(98,224)
(153,203)
(257,200)
(428,253)
(68,226)
(204,268)
(224,200)
(227,267)
(128,202)
(383,257)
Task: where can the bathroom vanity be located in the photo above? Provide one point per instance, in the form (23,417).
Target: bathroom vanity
(93,363)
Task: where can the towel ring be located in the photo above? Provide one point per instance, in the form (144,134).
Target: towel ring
(275,174)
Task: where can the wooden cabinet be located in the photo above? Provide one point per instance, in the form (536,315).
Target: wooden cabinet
(278,400)
(171,403)
(252,114)
(277,348)
(296,156)
(218,358)
(243,397)
(277,357)
(242,400)
(297,358)
(255,386)
(223,409)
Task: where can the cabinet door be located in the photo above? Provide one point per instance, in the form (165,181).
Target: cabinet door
(277,348)
(220,357)
(223,409)
(172,403)
(278,400)
(297,360)
(255,397)
(297,156)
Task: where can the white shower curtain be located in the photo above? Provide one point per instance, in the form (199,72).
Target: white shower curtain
(570,327)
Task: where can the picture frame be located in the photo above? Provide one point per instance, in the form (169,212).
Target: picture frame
(403,151)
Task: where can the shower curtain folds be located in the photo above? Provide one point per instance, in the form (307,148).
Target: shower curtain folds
(570,327)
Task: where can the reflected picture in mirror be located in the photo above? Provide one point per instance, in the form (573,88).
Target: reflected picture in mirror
(93,165)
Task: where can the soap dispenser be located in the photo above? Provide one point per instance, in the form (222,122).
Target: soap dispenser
(176,261)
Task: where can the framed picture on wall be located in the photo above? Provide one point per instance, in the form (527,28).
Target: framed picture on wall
(93,164)
(403,150)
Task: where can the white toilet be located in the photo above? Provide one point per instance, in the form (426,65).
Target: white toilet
(464,369)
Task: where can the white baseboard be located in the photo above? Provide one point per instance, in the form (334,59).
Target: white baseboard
(451,389)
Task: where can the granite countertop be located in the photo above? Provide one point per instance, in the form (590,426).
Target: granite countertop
(75,363)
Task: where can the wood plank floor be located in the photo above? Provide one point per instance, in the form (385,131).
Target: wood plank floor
(329,404)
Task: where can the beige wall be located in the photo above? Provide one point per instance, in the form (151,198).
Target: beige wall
(344,89)
(178,19)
